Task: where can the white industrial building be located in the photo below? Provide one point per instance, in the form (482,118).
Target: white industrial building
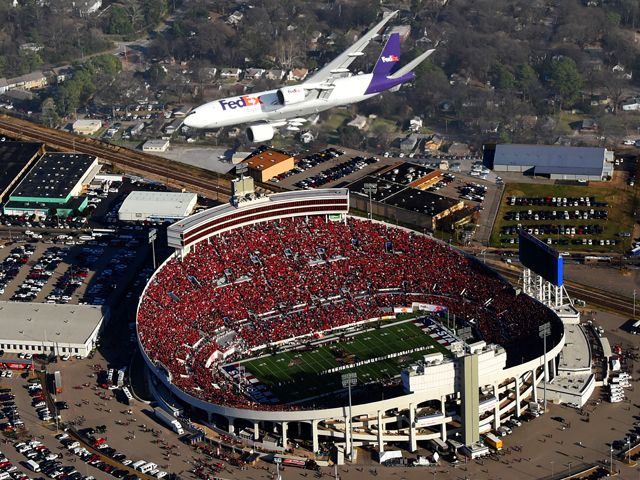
(157,206)
(50,328)
(155,146)
(87,126)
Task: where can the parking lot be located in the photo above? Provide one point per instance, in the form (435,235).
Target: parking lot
(564,216)
(57,273)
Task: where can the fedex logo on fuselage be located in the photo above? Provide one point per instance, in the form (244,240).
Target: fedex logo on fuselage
(241,102)
(390,58)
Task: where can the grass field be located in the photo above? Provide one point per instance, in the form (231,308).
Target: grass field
(620,213)
(295,375)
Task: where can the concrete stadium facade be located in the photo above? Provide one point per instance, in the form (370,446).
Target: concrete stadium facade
(434,403)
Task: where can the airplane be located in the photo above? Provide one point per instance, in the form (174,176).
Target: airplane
(333,85)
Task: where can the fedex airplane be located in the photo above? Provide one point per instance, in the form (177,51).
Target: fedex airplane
(329,87)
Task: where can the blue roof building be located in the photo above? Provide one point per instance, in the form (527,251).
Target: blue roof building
(555,162)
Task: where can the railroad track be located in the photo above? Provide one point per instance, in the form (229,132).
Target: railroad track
(592,296)
(205,182)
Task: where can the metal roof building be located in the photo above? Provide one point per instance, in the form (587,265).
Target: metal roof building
(50,328)
(556,162)
(15,160)
(158,206)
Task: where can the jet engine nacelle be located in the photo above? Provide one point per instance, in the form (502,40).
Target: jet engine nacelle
(289,95)
(260,133)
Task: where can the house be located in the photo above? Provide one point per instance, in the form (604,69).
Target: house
(629,105)
(408,144)
(599,100)
(254,73)
(60,74)
(403,30)
(181,111)
(306,137)
(434,143)
(275,74)
(415,124)
(588,125)
(235,18)
(298,74)
(28,81)
(32,47)
(87,7)
(360,122)
(230,73)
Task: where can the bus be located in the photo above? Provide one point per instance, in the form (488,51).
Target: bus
(102,232)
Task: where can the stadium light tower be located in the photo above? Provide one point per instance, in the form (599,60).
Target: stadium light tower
(350,380)
(544,331)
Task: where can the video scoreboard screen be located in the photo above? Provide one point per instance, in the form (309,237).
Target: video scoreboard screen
(540,258)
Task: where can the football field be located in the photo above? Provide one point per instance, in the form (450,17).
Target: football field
(297,375)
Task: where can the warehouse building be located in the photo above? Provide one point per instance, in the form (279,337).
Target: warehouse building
(54,186)
(15,160)
(269,163)
(87,127)
(157,206)
(51,328)
(401,199)
(555,162)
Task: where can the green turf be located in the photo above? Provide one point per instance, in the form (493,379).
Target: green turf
(620,209)
(294,376)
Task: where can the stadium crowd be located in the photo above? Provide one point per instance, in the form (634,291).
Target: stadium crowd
(256,285)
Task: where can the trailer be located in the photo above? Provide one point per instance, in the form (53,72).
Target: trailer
(169,420)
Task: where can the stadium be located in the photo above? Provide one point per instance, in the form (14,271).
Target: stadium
(269,301)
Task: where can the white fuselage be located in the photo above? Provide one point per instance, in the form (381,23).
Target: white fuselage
(265,106)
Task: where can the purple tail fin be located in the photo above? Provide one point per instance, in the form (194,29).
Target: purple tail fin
(389,57)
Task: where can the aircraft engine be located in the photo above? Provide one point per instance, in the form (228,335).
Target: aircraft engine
(289,95)
(260,133)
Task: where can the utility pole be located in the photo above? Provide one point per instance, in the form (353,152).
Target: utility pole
(544,331)
(349,380)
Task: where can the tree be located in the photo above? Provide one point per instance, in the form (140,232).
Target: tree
(120,22)
(502,78)
(156,73)
(49,115)
(350,136)
(564,79)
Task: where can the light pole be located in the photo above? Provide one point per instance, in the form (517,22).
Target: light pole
(551,462)
(153,234)
(634,303)
(544,331)
(611,459)
(370,189)
(349,380)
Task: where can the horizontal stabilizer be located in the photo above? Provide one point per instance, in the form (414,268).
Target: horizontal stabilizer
(409,67)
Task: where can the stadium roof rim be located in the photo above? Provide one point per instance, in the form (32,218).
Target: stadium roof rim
(193,221)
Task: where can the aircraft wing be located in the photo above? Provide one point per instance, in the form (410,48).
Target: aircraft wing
(340,64)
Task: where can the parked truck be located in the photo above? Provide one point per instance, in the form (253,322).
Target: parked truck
(493,441)
(169,420)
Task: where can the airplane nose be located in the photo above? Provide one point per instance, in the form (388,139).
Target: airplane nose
(193,120)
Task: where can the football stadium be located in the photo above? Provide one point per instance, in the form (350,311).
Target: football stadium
(271,306)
